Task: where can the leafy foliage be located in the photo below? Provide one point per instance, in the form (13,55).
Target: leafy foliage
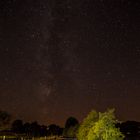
(99,126)
(87,124)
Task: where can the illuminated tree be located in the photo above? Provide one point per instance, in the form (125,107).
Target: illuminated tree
(101,128)
(104,128)
(87,124)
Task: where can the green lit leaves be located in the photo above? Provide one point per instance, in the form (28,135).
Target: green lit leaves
(99,126)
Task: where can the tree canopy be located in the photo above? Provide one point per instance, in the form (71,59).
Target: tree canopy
(86,125)
(99,126)
(71,127)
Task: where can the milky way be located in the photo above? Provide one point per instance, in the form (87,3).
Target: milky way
(64,58)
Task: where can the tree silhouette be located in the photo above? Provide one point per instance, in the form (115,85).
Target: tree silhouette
(43,130)
(4,119)
(71,121)
(35,129)
(71,127)
(54,129)
(17,126)
(27,128)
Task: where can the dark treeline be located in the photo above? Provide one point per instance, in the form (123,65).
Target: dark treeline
(130,129)
(34,129)
(28,129)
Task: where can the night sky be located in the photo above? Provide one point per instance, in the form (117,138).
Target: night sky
(62,58)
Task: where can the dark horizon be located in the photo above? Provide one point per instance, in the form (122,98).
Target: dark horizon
(61,59)
(62,124)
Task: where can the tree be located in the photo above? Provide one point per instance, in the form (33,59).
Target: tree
(17,126)
(54,130)
(87,124)
(4,119)
(71,121)
(71,132)
(35,129)
(43,130)
(105,128)
(27,128)
(71,127)
(102,128)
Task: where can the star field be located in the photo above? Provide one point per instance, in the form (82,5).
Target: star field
(64,58)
